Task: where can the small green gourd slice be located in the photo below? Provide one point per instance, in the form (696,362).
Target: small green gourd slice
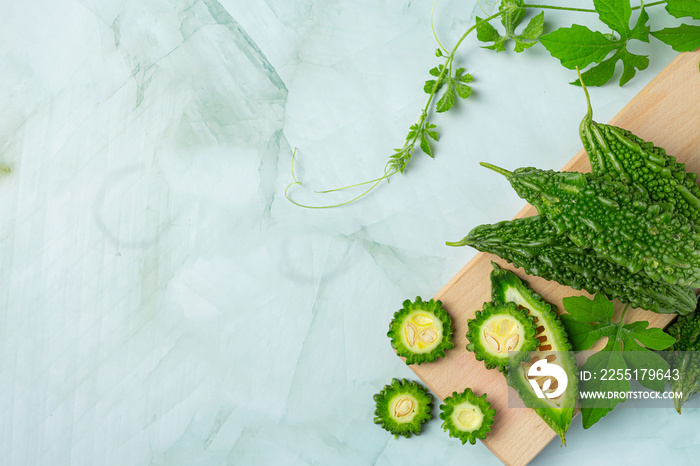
(500,329)
(466,416)
(421,331)
(402,407)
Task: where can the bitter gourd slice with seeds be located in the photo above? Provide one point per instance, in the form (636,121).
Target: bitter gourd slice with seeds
(402,407)
(499,330)
(605,217)
(553,345)
(628,158)
(466,416)
(421,331)
(533,244)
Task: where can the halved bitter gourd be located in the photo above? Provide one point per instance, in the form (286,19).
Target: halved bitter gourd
(466,416)
(553,346)
(402,407)
(500,329)
(421,331)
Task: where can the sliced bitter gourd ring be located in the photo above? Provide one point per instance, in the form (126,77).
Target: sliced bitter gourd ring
(421,331)
(466,416)
(554,346)
(500,329)
(402,407)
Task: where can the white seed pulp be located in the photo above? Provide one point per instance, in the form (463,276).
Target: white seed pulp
(501,334)
(467,417)
(403,408)
(421,332)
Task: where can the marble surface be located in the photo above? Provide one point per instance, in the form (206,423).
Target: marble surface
(163,304)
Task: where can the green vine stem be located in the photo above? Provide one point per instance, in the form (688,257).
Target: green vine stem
(409,144)
(400,160)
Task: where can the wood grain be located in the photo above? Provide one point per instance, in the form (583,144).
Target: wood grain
(666,112)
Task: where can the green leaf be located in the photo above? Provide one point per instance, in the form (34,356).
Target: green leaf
(429,86)
(614,13)
(577,46)
(599,74)
(580,333)
(631,63)
(460,76)
(682,8)
(653,338)
(447,100)
(597,309)
(643,362)
(594,409)
(534,28)
(587,321)
(454,85)
(463,90)
(485,32)
(425,147)
(580,47)
(684,38)
(513,13)
(641,30)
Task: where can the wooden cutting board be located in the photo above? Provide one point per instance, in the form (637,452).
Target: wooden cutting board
(667,112)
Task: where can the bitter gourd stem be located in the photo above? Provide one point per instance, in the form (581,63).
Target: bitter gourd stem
(500,170)
(589,113)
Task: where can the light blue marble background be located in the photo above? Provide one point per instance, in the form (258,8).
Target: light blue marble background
(163,304)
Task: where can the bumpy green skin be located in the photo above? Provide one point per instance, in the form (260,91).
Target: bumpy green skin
(628,158)
(605,217)
(458,398)
(431,307)
(507,287)
(396,388)
(533,244)
(529,343)
(686,331)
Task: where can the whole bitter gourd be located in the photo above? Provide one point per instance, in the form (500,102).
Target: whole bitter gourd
(605,217)
(421,331)
(402,407)
(466,416)
(619,153)
(553,346)
(684,356)
(500,329)
(533,244)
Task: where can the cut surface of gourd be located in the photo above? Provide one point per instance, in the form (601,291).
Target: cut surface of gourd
(553,345)
(402,407)
(421,331)
(497,331)
(467,416)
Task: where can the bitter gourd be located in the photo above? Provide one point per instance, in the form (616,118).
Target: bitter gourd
(553,346)
(402,407)
(497,330)
(421,331)
(466,416)
(533,244)
(628,158)
(684,356)
(605,217)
